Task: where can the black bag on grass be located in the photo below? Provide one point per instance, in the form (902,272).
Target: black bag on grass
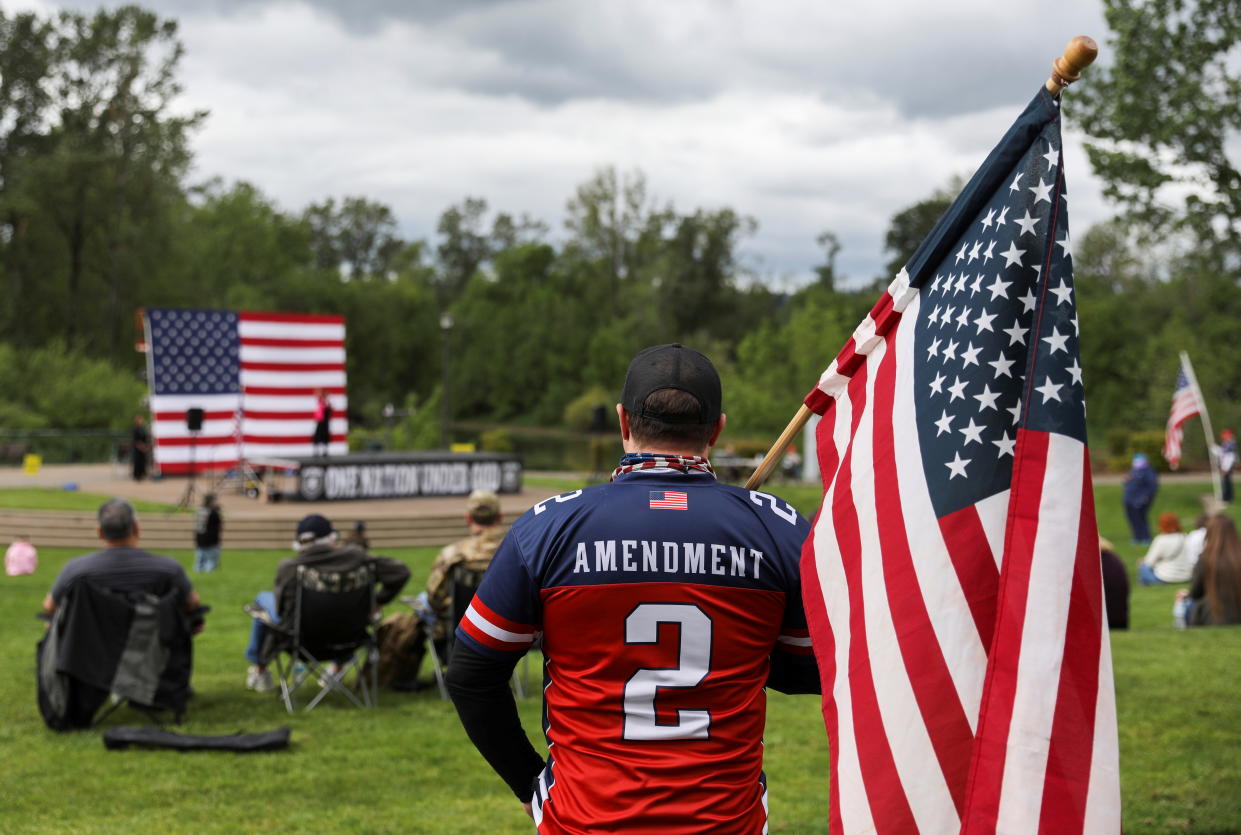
(115,739)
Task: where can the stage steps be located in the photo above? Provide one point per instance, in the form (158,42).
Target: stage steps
(162,532)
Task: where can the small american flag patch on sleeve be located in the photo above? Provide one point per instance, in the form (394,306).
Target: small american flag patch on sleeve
(669,500)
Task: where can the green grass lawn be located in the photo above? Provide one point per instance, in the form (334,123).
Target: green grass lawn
(51,498)
(407,765)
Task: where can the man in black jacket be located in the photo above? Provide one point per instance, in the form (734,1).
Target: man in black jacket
(317,546)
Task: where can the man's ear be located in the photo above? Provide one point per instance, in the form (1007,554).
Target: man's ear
(624,421)
(719,427)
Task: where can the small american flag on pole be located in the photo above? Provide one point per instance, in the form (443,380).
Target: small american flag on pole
(952,578)
(1185,404)
(254,375)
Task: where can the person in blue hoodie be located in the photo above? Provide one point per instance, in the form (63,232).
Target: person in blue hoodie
(1140,487)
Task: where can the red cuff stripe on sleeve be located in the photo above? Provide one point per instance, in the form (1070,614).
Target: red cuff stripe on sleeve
(499,620)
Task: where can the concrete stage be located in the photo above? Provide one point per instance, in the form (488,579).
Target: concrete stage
(248,523)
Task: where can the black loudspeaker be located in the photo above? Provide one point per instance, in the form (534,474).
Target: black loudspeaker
(194,419)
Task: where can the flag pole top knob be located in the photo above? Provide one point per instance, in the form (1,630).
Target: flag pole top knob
(1078,54)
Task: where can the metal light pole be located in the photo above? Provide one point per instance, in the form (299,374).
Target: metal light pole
(445,410)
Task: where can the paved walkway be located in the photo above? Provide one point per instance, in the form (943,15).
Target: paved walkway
(115,481)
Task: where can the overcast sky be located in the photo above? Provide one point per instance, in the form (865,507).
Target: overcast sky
(805,115)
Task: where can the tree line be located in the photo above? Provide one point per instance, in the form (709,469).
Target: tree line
(98,217)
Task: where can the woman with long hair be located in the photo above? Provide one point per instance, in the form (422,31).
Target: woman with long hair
(1215,592)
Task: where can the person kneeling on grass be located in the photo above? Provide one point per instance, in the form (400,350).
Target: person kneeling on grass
(317,546)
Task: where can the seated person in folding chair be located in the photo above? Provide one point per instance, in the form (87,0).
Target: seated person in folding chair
(434,606)
(473,554)
(122,565)
(121,568)
(317,546)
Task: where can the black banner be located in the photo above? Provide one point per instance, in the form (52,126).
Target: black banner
(384,477)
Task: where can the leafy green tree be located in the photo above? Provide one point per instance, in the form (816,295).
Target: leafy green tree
(1163,112)
(235,250)
(697,288)
(910,226)
(55,387)
(25,60)
(826,271)
(616,229)
(463,248)
(119,153)
(357,237)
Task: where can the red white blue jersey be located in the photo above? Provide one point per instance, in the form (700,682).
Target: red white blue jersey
(661,598)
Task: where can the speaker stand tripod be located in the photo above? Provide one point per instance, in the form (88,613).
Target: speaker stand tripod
(188,497)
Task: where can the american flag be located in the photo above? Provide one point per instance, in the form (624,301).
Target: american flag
(952,578)
(669,500)
(1185,400)
(254,375)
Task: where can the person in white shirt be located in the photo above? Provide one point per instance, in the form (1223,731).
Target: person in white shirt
(1167,560)
(1195,539)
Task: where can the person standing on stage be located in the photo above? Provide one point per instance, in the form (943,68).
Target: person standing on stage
(323,424)
(667,602)
(139,447)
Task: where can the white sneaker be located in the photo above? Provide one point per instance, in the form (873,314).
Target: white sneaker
(259,680)
(332,672)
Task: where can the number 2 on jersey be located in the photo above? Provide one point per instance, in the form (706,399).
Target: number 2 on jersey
(693,664)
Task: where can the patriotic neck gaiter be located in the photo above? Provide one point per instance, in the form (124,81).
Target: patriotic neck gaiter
(650,461)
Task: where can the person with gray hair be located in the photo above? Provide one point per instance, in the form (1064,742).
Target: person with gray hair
(122,565)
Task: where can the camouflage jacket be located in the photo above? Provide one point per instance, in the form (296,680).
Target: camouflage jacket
(474,552)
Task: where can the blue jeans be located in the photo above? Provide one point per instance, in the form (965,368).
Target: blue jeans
(1139,522)
(259,630)
(1146,576)
(207,559)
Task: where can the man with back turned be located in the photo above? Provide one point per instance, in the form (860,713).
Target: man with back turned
(666,603)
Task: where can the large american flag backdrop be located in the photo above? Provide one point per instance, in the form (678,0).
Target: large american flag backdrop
(254,375)
(952,578)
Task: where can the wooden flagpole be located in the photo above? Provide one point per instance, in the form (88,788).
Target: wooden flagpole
(1078,54)
(1206,424)
(777,449)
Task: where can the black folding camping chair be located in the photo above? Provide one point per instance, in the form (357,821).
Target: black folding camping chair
(118,647)
(463,584)
(330,631)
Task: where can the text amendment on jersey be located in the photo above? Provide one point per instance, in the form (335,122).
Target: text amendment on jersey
(632,556)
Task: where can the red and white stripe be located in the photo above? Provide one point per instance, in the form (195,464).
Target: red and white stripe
(495,631)
(904,609)
(285,359)
(795,641)
(214,448)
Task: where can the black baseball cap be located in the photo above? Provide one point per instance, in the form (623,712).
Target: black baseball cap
(312,527)
(672,367)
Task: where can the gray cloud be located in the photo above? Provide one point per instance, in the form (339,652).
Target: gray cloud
(805,115)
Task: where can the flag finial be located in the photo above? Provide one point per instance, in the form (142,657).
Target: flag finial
(1079,53)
